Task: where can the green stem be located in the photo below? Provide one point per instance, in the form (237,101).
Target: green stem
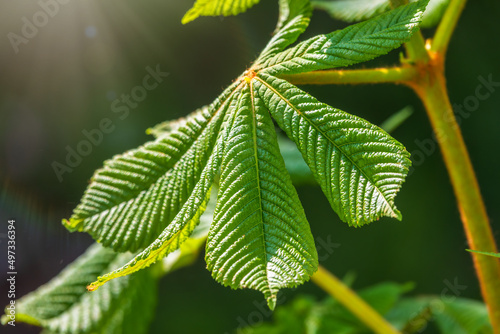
(338,290)
(415,49)
(432,90)
(361,76)
(447,26)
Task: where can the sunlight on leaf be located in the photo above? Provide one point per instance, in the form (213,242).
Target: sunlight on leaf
(217,8)
(149,200)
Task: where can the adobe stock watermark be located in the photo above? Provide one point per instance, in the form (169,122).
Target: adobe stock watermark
(254,319)
(463,111)
(30,26)
(420,319)
(10,309)
(121,107)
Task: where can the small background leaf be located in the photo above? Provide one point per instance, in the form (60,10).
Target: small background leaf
(299,171)
(396,119)
(360,10)
(64,305)
(305,315)
(484,253)
(352,10)
(217,8)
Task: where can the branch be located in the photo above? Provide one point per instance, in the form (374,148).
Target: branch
(432,91)
(363,76)
(416,50)
(447,26)
(345,296)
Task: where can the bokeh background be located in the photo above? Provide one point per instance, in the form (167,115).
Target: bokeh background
(62,81)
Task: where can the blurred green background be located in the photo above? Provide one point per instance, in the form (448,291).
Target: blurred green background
(63,80)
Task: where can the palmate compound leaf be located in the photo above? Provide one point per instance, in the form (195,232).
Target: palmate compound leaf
(217,8)
(64,306)
(138,193)
(260,237)
(354,44)
(358,165)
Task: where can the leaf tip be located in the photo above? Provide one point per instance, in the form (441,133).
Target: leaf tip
(271,302)
(189,16)
(93,286)
(484,253)
(72,224)
(100,282)
(398,215)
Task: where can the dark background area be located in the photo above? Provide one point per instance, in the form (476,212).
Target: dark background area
(63,81)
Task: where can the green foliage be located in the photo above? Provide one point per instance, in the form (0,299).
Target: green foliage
(260,237)
(331,317)
(354,44)
(450,315)
(360,10)
(64,306)
(176,232)
(216,8)
(151,198)
(463,316)
(396,119)
(359,167)
(299,170)
(159,203)
(137,194)
(305,315)
(152,201)
(127,305)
